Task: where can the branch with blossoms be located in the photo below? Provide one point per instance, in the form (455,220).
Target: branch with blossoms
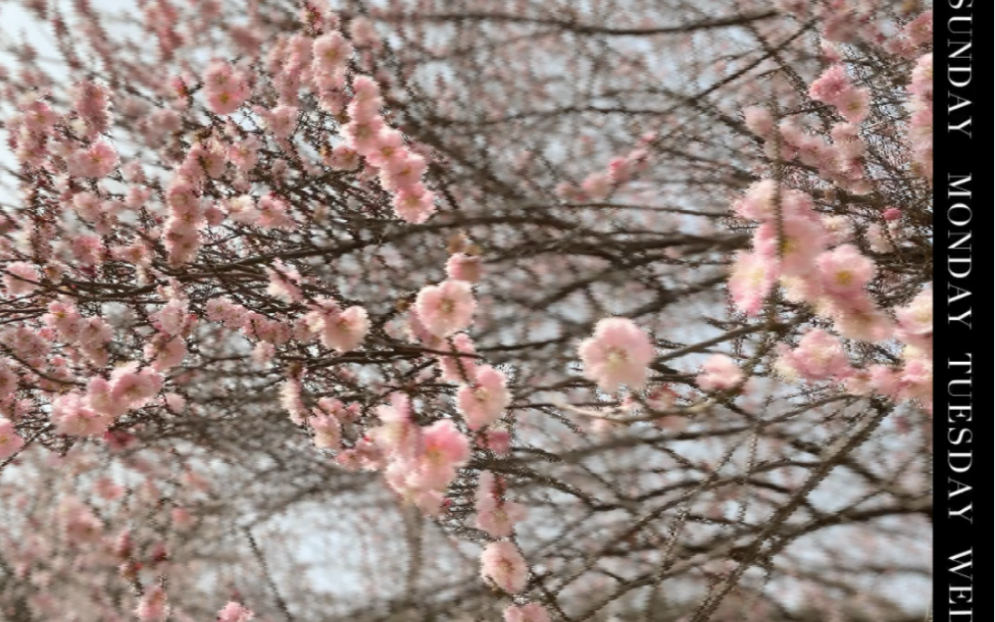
(604,313)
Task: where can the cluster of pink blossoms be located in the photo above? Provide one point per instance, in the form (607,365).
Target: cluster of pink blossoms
(529,612)
(795,251)
(791,245)
(91,414)
(419,462)
(814,258)
(619,353)
(10,440)
(226,88)
(602,184)
(502,563)
(840,161)
(720,373)
(234,612)
(20,279)
(154,605)
(339,330)
(496,515)
(400,169)
(834,87)
(921,111)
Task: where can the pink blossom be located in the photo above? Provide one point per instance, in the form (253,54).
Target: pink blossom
(459,368)
(343,158)
(363,33)
(284,282)
(597,186)
(819,356)
(281,121)
(172,318)
(274,213)
(226,88)
(389,147)
(830,87)
(758,120)
(720,374)
(8,381)
(344,331)
(495,515)
(859,318)
(618,353)
(498,441)
(175,402)
(99,160)
(794,242)
(327,431)
(92,102)
(444,449)
(530,612)
(502,563)
(752,278)
(292,401)
(446,308)
(166,352)
(21,278)
(915,321)
(920,30)
(134,388)
(234,612)
(10,441)
(100,398)
(331,51)
(855,105)
(363,136)
(398,436)
(182,519)
(884,380)
(844,270)
(72,418)
(153,607)
(403,171)
(244,154)
(483,402)
(414,204)
(758,203)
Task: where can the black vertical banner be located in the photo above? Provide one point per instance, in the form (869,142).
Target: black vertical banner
(961,349)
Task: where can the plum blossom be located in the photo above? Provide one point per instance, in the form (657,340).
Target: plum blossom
(844,270)
(21,278)
(153,606)
(483,402)
(343,331)
(234,612)
(618,353)
(73,418)
(819,356)
(751,280)
(496,515)
(502,563)
(414,204)
(446,308)
(459,368)
(10,441)
(444,449)
(530,612)
(720,374)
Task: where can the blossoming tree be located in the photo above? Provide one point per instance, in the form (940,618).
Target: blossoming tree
(466,310)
